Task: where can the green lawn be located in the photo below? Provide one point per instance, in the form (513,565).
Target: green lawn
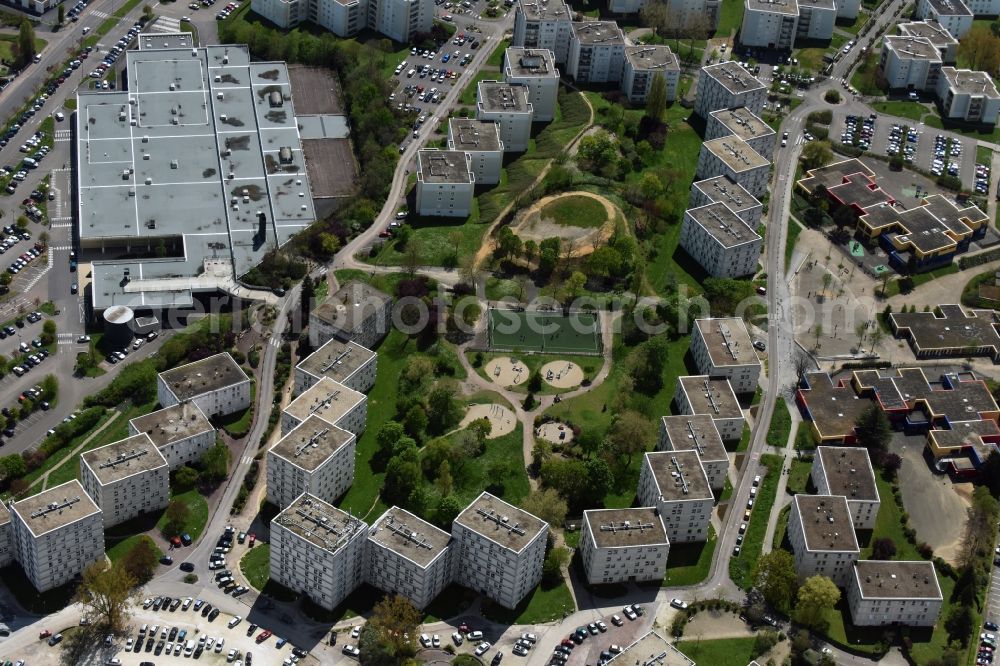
(902,109)
(59,456)
(576,211)
(199,513)
(781,425)
(889,523)
(689,563)
(496,58)
(7,43)
(744,439)
(238,424)
(798,476)
(540,606)
(120,549)
(741,566)
(791,238)
(780,528)
(719,652)
(441,241)
(468,96)
(730,18)
(256,565)
(854,26)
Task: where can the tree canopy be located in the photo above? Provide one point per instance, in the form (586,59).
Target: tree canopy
(816,596)
(776,578)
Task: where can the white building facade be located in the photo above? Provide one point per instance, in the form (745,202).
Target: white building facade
(643,64)
(701,394)
(126,479)
(508,106)
(357,312)
(217,384)
(822,537)
(331,401)
(623,546)
(480,141)
(544,25)
(968,96)
(881,593)
(536,70)
(720,241)
(721,347)
(770,25)
(911,63)
(315,458)
(349,363)
(847,471)
(446,184)
(182,433)
(408,556)
(596,52)
(674,482)
(726,85)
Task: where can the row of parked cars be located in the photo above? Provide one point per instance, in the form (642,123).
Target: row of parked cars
(226,11)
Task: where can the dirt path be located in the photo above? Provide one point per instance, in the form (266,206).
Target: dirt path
(44,478)
(537,229)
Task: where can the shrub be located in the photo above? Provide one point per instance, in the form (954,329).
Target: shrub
(832,96)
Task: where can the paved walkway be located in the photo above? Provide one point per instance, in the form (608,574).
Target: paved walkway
(44,478)
(780,499)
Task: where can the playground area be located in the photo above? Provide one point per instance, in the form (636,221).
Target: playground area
(549,332)
(507,371)
(502,419)
(562,374)
(555,432)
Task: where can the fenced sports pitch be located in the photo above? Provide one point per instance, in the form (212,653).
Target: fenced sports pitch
(549,332)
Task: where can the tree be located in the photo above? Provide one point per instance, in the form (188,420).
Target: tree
(185,477)
(177,515)
(48,332)
(214,464)
(873,432)
(883,548)
(552,567)
(25,43)
(815,154)
(388,434)
(388,637)
(61,14)
(328,244)
(415,422)
(306,297)
(140,561)
(573,286)
(629,435)
(445,483)
(547,505)
(535,382)
(816,596)
(656,98)
(776,578)
(548,254)
(980,48)
(599,478)
(958,624)
(598,152)
(402,473)
(443,410)
(832,96)
(12,466)
(107,593)
(147,13)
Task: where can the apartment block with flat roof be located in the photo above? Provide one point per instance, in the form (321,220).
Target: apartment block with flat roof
(480,141)
(544,24)
(446,184)
(676,484)
(408,556)
(721,189)
(217,384)
(726,85)
(649,650)
(701,394)
(698,432)
(623,545)
(741,122)
(400,20)
(721,347)
(911,63)
(331,401)
(695,15)
(847,471)
(968,96)
(536,70)
(316,458)
(771,24)
(816,19)
(357,312)
(349,363)
(7,546)
(821,531)
(848,9)
(508,106)
(318,550)
(182,433)
(930,29)
(720,241)
(57,534)
(499,549)
(891,592)
(126,479)
(645,63)
(733,157)
(596,52)
(953,15)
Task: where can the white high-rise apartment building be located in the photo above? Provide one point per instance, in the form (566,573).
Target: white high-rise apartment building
(968,96)
(357,312)
(727,85)
(736,197)
(216,384)
(318,550)
(741,122)
(57,533)
(697,432)
(544,24)
(349,363)
(623,545)
(480,141)
(912,63)
(499,549)
(890,592)
(721,347)
(733,157)
(126,478)
(701,394)
(771,24)
(816,19)
(508,106)
(596,52)
(331,401)
(408,556)
(675,483)
(182,433)
(694,14)
(821,532)
(953,15)
(847,471)
(400,20)
(720,241)
(536,70)
(7,546)
(645,63)
(315,458)
(446,183)
(942,40)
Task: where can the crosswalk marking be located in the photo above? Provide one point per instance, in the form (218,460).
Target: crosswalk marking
(166,24)
(60,248)
(99,14)
(247,460)
(63,135)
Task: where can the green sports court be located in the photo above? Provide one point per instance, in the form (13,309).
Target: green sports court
(549,332)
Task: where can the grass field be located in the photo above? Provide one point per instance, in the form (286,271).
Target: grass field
(256,565)
(196,520)
(58,457)
(719,652)
(689,563)
(902,109)
(542,605)
(8,42)
(798,476)
(120,549)
(575,211)
(791,238)
(741,566)
(780,528)
(496,58)
(781,425)
(730,18)
(553,333)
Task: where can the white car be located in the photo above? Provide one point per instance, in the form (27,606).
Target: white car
(355,632)
(425,640)
(235,621)
(482,648)
(351,650)
(218,646)
(677,603)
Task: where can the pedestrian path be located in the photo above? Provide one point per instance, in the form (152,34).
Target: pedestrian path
(63,135)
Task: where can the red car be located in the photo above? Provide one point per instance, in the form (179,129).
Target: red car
(464,628)
(251,538)
(176,541)
(45,633)
(263,636)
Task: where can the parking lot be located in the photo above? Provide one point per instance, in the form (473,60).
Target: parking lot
(919,145)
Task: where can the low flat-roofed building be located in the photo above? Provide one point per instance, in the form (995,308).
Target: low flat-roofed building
(182,433)
(771,24)
(645,63)
(701,394)
(596,52)
(698,432)
(167,213)
(545,24)
(498,549)
(847,471)
(953,15)
(977,439)
(816,19)
(536,70)
(733,157)
(623,545)
(930,29)
(833,408)
(480,140)
(318,550)
(721,189)
(7,547)
(676,484)
(126,478)
(743,123)
(726,85)
(651,650)
(446,184)
(721,347)
(720,241)
(508,106)
(911,63)
(954,333)
(821,532)
(408,556)
(968,96)
(357,312)
(890,592)
(331,401)
(348,363)
(315,458)
(834,174)
(217,384)
(57,534)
